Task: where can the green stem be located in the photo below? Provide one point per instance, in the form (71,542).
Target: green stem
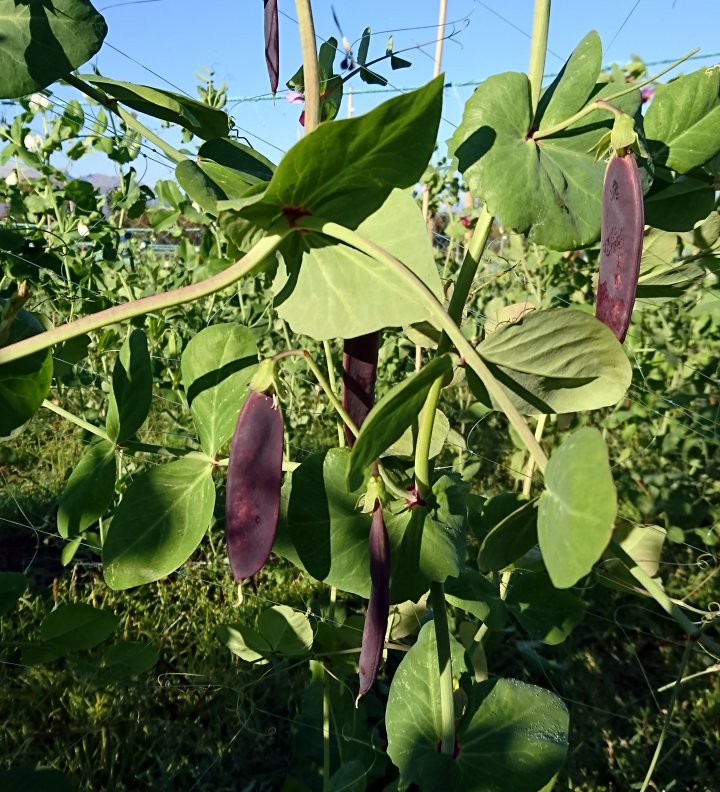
(461,290)
(538,50)
(130,120)
(129,445)
(311,76)
(468,270)
(422,446)
(655,590)
(597,104)
(81,422)
(441,319)
(442,637)
(333,386)
(530,465)
(323,382)
(326,731)
(666,723)
(156,302)
(484,629)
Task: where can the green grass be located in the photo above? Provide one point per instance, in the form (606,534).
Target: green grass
(200,719)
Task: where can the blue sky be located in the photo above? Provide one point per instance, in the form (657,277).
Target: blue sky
(163,42)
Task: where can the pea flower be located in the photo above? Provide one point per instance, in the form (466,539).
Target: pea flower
(33,142)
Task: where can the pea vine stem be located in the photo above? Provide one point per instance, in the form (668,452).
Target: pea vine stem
(129,445)
(156,302)
(538,49)
(656,591)
(442,639)
(441,319)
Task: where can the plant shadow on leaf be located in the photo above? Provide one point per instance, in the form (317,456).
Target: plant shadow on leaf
(213,378)
(476,146)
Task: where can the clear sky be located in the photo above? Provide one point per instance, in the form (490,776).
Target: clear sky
(163,42)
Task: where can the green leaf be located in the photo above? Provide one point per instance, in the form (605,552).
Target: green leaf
(679,204)
(77,626)
(12,587)
(405,445)
(160,521)
(682,125)
(569,91)
(323,531)
(345,171)
(24,383)
(389,418)
(644,544)
(42,42)
(473,593)
(547,614)
(510,539)
(555,361)
(89,490)
(349,777)
(364,46)
(287,631)
(202,120)
(660,275)
(199,186)
(233,166)
(131,393)
(577,510)
(321,299)
(245,642)
(68,354)
(549,189)
(131,655)
(513,736)
(217,366)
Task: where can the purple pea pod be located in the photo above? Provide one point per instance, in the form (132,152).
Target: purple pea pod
(621,242)
(254,478)
(376,619)
(360,358)
(272,43)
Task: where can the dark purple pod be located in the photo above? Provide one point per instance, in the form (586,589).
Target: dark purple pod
(376,618)
(272,43)
(621,241)
(253,485)
(360,358)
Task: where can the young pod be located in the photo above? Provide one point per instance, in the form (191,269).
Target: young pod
(621,240)
(360,357)
(376,619)
(253,485)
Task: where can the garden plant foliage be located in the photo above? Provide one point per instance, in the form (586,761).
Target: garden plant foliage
(487,573)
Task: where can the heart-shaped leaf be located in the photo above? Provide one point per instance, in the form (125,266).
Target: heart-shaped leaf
(160,521)
(42,42)
(217,366)
(577,510)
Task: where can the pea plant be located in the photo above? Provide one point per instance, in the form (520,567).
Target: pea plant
(335,229)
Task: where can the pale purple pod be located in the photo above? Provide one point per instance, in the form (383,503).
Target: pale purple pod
(360,358)
(376,618)
(272,43)
(621,242)
(252,501)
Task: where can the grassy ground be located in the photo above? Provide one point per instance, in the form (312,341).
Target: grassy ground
(204,720)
